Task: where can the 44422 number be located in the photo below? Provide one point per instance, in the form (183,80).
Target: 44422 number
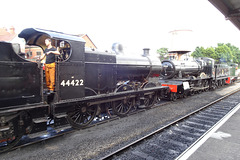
(75,82)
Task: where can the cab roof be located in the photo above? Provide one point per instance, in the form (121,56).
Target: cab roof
(31,35)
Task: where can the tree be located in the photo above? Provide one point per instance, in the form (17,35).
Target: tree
(224,53)
(199,52)
(163,53)
(235,53)
(210,52)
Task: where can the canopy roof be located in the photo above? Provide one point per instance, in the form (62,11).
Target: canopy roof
(230,9)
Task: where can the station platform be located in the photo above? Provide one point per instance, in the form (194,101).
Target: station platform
(223,143)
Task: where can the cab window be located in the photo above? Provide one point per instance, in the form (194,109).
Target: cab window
(34,52)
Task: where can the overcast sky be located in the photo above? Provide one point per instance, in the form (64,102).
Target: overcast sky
(136,24)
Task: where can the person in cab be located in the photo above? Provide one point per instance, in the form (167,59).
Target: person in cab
(50,64)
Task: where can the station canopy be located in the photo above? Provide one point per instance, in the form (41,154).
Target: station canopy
(230,9)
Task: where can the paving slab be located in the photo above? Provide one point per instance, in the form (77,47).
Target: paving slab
(223,143)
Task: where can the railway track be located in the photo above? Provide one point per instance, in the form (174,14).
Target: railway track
(174,140)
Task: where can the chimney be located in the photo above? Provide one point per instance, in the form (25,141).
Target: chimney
(146,52)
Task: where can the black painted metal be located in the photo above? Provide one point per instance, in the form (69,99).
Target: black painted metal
(174,68)
(20,80)
(100,72)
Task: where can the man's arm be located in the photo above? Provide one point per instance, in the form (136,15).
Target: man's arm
(42,57)
(54,52)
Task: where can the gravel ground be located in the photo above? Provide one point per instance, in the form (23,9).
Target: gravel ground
(97,141)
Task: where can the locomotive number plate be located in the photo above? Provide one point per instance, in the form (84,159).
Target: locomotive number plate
(74,83)
(186,85)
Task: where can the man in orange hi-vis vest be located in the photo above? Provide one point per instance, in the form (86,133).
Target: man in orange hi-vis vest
(50,64)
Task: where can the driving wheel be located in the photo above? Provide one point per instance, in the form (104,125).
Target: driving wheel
(82,115)
(123,106)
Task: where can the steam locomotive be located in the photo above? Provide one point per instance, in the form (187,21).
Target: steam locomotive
(194,76)
(88,83)
(180,69)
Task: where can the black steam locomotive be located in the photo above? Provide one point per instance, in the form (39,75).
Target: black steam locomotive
(88,83)
(181,68)
(194,76)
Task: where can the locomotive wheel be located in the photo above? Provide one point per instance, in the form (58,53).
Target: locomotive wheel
(173,96)
(191,92)
(214,85)
(108,107)
(206,85)
(19,124)
(223,82)
(149,100)
(159,97)
(184,95)
(149,85)
(220,83)
(217,84)
(83,115)
(122,107)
